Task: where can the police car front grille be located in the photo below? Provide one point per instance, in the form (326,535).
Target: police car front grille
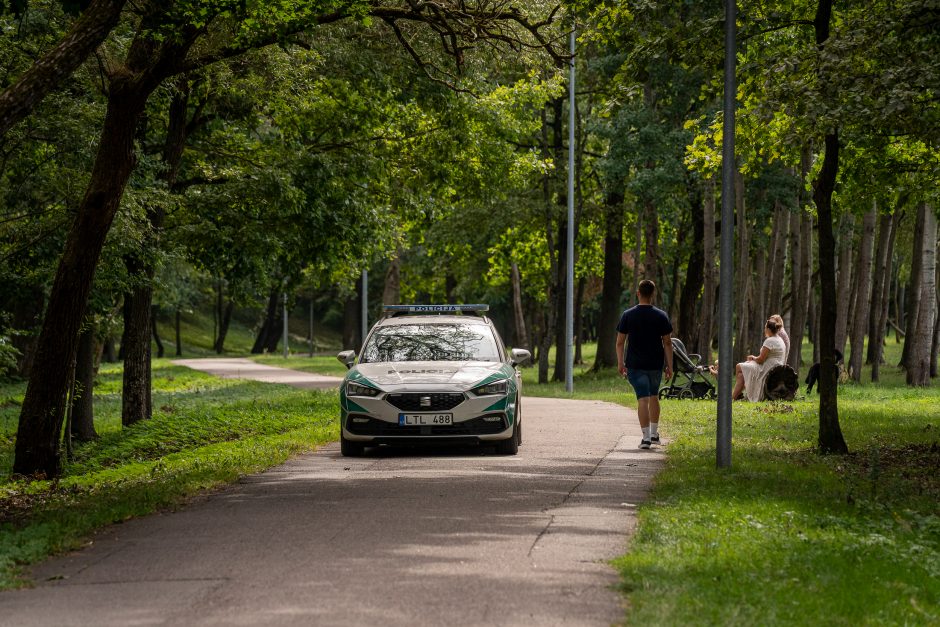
(379,428)
(418,402)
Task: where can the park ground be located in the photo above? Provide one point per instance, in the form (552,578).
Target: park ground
(783,537)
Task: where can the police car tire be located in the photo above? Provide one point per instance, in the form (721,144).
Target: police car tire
(351,449)
(510,446)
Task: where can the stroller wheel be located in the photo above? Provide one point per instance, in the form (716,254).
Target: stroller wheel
(686,395)
(663,393)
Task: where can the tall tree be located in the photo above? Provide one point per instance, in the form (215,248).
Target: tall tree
(918,365)
(863,292)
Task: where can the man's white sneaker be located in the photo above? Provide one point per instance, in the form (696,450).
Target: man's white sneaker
(644,443)
(654,439)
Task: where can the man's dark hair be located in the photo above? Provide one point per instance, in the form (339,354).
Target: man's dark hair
(647,288)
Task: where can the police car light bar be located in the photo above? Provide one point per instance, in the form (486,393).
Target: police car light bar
(402,309)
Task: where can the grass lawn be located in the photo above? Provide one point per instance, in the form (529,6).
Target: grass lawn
(205,432)
(786,536)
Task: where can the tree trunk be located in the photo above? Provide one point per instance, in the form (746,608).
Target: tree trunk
(137,374)
(935,346)
(224,322)
(351,314)
(391,294)
(743,275)
(155,333)
(879,279)
(710,275)
(914,288)
(651,241)
(778,261)
(135,396)
(179,343)
(612,287)
(47,73)
(561,279)
(918,369)
(759,313)
(578,320)
(844,285)
(830,432)
(270,321)
(802,230)
(889,271)
(522,335)
(689,324)
(862,293)
(110,355)
(83,406)
(43,410)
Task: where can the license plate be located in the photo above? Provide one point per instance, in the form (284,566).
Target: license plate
(425,419)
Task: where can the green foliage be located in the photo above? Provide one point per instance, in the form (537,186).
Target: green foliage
(8,357)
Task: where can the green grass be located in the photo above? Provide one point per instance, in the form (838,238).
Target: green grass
(786,536)
(319,364)
(205,432)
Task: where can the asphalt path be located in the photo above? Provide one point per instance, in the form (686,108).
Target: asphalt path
(456,536)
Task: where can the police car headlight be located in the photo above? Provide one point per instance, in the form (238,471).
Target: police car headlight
(497,387)
(354,389)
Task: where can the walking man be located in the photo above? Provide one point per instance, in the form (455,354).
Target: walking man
(646,332)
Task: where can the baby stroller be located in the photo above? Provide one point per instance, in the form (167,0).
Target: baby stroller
(689,377)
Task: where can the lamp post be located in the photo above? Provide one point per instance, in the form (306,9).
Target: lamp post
(569,278)
(365,307)
(726,276)
(284,302)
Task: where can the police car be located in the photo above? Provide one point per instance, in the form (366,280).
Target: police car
(432,373)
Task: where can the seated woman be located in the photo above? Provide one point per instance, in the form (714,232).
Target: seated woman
(783,335)
(751,374)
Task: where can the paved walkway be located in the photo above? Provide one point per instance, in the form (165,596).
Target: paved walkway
(455,536)
(241,368)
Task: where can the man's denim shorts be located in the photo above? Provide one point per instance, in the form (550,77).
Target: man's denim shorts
(645,382)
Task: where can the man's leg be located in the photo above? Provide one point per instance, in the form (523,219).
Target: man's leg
(654,419)
(643,411)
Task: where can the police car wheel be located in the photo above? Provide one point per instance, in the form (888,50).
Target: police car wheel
(351,449)
(511,445)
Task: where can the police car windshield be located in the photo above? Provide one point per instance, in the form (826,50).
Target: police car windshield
(431,342)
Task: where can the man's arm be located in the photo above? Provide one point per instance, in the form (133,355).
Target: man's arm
(621,342)
(667,347)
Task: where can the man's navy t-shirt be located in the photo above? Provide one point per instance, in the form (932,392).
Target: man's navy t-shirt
(645,327)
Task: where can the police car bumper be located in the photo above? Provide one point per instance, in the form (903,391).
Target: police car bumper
(392,418)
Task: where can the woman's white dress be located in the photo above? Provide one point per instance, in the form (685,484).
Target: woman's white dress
(755,374)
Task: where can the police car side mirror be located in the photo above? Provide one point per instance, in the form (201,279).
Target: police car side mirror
(519,356)
(347,358)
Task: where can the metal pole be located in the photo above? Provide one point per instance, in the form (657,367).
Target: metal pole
(286,348)
(365,306)
(726,276)
(311,326)
(569,278)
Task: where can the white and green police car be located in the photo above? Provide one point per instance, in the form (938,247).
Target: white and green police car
(432,373)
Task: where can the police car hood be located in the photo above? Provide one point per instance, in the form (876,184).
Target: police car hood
(455,375)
